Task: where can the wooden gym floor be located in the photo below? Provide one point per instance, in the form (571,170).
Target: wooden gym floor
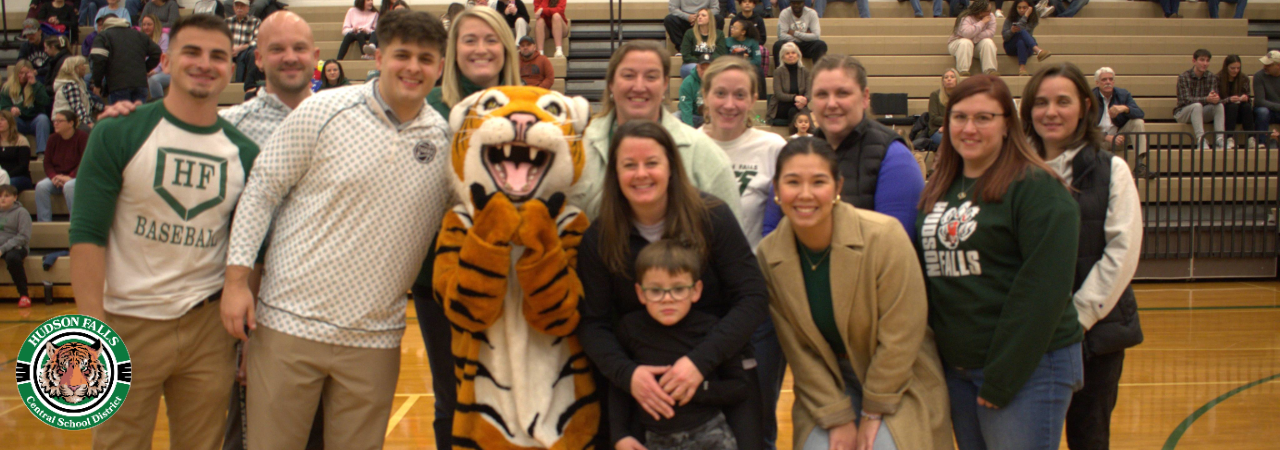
(1208,376)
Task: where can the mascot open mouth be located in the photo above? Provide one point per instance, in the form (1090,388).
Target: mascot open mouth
(517,169)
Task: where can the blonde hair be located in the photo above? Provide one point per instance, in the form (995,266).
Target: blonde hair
(790,47)
(157,28)
(451,88)
(654,47)
(722,65)
(711,29)
(14,83)
(943,95)
(69,69)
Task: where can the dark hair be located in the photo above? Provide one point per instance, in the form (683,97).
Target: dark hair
(1016,155)
(207,22)
(976,7)
(415,27)
(9,190)
(688,216)
(851,66)
(657,48)
(454,10)
(1033,19)
(1202,53)
(669,255)
(1087,131)
(324,79)
(400,3)
(752,1)
(792,126)
(1227,87)
(385,6)
(807,146)
(359,4)
(749,26)
(69,117)
(104,17)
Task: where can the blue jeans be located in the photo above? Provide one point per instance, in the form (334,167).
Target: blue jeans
(156,84)
(89,10)
(44,198)
(1020,45)
(138,94)
(1213,8)
(771,366)
(243,61)
(937,139)
(22,183)
(1263,118)
(686,69)
(937,8)
(1170,7)
(1061,9)
(958,6)
(1032,421)
(38,126)
(819,438)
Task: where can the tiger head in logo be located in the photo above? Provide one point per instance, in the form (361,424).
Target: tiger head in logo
(73,372)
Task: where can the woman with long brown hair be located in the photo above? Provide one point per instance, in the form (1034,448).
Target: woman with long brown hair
(648,197)
(1233,87)
(998,235)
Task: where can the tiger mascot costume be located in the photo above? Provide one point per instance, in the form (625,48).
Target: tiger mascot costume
(505,273)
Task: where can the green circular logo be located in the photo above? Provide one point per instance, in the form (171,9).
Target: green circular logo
(73,372)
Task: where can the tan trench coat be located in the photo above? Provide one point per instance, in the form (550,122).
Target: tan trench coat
(882,313)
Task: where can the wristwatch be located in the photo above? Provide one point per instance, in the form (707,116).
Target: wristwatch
(867,415)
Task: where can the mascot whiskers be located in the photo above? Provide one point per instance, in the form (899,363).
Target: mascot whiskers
(505,272)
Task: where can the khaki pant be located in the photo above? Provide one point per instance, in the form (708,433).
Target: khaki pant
(962,49)
(1132,126)
(190,361)
(289,376)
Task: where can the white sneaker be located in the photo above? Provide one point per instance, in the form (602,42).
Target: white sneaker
(1046,11)
(999,14)
(677,54)
(369,49)
(559,52)
(1252,142)
(1231,144)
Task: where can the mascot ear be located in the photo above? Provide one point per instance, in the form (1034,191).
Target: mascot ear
(580,111)
(459,112)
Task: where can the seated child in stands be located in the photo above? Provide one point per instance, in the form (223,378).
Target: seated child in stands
(668,284)
(801,125)
(15,239)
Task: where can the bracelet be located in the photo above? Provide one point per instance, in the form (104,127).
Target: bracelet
(867,415)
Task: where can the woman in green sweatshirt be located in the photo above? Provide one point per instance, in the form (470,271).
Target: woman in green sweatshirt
(998,234)
(28,100)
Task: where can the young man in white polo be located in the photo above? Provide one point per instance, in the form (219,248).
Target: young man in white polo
(350,190)
(149,242)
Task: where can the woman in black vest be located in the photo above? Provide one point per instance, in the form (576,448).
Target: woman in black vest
(1056,110)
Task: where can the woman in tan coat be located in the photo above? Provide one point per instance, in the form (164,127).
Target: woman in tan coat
(867,374)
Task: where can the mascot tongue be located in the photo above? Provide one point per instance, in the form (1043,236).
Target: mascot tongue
(517,174)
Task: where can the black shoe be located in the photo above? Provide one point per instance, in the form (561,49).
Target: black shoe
(48,293)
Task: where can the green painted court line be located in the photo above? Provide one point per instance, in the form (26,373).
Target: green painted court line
(1174,437)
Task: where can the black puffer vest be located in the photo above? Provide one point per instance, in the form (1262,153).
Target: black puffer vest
(859,156)
(1091,173)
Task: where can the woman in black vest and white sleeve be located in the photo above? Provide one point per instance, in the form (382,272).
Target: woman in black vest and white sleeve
(1056,112)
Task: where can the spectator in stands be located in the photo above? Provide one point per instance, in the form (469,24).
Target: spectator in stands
(244,38)
(332,75)
(89,10)
(1266,91)
(1233,86)
(449,14)
(372,46)
(790,86)
(550,16)
(1008,332)
(26,99)
(535,68)
(975,27)
(729,93)
(60,13)
(799,25)
(938,106)
(15,152)
(1199,99)
(157,80)
(801,124)
(690,104)
(481,54)
(214,7)
(72,94)
(87,45)
(15,240)
(1240,4)
(56,48)
(683,15)
(1065,8)
(1119,113)
(358,26)
(937,8)
(1170,8)
(122,57)
(1059,118)
(742,41)
(703,38)
(66,147)
(1018,40)
(33,49)
(165,10)
(516,15)
(747,10)
(117,8)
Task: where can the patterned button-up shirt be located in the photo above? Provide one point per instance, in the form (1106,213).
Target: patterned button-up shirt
(244,31)
(1193,89)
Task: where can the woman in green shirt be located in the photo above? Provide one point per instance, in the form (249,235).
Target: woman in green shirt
(998,237)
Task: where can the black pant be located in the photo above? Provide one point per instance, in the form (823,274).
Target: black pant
(347,39)
(1089,417)
(13,260)
(809,49)
(244,63)
(436,332)
(1239,113)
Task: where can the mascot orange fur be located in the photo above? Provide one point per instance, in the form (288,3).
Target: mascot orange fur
(505,273)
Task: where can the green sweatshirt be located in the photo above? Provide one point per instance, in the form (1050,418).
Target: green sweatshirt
(747,48)
(39,106)
(435,98)
(689,47)
(999,277)
(690,97)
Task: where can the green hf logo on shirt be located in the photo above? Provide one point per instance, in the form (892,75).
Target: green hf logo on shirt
(190,182)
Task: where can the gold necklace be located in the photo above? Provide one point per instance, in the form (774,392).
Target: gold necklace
(814,266)
(964,190)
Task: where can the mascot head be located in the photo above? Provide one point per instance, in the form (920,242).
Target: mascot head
(522,141)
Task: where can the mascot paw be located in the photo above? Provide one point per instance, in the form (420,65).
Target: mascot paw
(538,224)
(496,218)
